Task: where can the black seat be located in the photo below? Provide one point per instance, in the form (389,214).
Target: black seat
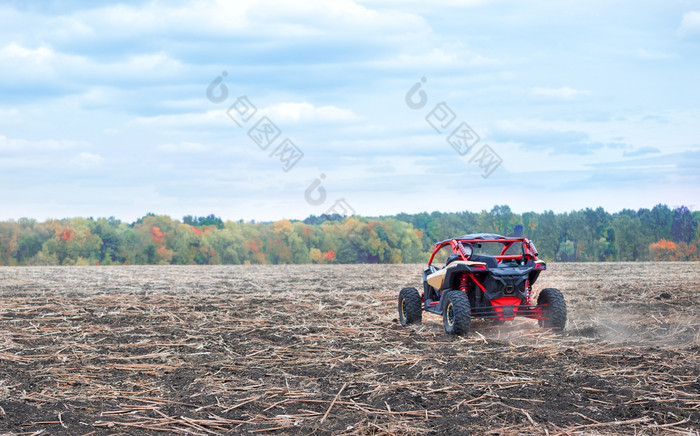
(452,258)
(490,261)
(508,262)
(429,269)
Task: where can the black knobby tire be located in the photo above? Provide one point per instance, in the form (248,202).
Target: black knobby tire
(554,309)
(456,314)
(410,310)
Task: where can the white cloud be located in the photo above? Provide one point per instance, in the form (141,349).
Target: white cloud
(307,113)
(209,118)
(11,114)
(425,56)
(86,160)
(641,151)
(32,65)
(287,112)
(434,57)
(159,63)
(8,145)
(183,147)
(38,65)
(480,60)
(690,24)
(260,19)
(16,51)
(652,55)
(564,93)
(446,3)
(326,16)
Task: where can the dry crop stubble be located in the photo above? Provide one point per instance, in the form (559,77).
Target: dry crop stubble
(298,349)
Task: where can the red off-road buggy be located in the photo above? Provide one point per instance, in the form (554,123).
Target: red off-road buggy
(482,276)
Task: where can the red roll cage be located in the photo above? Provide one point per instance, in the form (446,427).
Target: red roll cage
(529,250)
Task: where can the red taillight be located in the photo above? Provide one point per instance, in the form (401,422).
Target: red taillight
(478,268)
(541,266)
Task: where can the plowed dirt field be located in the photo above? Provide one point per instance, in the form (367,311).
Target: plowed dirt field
(318,349)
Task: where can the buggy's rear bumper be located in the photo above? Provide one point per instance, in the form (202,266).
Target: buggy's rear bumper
(508,312)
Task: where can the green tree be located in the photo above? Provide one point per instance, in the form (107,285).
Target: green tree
(107,231)
(657,222)
(29,245)
(627,243)
(546,233)
(683,225)
(228,244)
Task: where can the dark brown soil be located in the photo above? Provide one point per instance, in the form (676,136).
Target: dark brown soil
(318,349)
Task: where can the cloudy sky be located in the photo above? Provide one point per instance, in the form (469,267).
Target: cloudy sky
(269,109)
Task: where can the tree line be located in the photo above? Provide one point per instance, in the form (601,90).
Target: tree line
(660,233)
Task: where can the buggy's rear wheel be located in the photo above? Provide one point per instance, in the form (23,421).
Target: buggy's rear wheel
(456,315)
(553,309)
(410,310)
